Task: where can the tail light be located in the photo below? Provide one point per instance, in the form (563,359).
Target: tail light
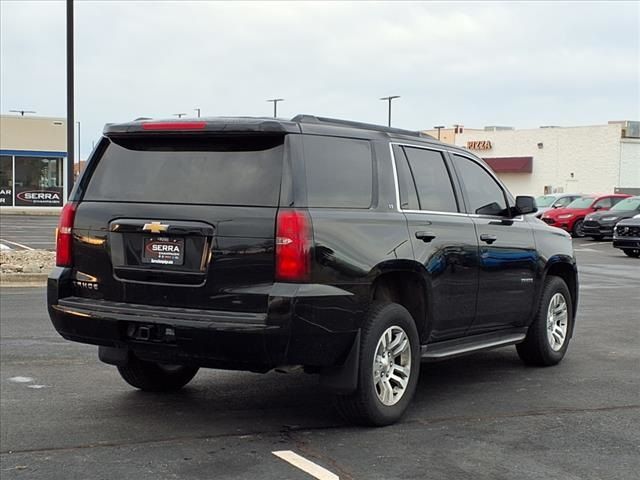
(293,245)
(64,239)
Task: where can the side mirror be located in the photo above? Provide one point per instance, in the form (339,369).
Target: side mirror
(525,205)
(596,208)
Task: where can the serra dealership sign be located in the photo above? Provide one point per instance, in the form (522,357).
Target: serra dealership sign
(49,197)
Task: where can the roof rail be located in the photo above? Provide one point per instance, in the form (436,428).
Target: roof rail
(303,118)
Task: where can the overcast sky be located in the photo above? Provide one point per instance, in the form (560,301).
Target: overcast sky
(479,63)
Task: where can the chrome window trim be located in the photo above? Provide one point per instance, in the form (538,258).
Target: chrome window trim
(519,218)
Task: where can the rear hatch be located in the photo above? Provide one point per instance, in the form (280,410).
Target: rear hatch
(180,220)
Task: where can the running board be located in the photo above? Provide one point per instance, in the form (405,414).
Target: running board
(434,352)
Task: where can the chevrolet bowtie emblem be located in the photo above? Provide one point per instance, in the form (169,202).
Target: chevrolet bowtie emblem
(155,227)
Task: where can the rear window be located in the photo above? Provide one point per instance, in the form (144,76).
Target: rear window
(339,172)
(242,171)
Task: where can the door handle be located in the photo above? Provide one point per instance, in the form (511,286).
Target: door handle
(488,238)
(426,237)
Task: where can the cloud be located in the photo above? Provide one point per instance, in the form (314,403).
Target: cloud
(521,64)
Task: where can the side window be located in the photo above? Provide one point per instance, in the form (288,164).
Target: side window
(484,195)
(604,203)
(406,185)
(339,172)
(563,202)
(435,190)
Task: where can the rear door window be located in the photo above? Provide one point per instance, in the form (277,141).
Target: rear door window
(242,171)
(435,190)
(339,172)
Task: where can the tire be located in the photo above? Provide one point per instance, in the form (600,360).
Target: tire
(577,229)
(541,346)
(597,238)
(155,377)
(372,404)
(632,252)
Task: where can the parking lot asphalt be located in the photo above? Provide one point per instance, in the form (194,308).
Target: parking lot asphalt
(64,415)
(24,232)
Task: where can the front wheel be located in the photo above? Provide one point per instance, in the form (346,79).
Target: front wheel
(632,252)
(548,337)
(389,368)
(156,377)
(577,231)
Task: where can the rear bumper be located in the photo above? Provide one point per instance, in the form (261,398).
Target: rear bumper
(311,325)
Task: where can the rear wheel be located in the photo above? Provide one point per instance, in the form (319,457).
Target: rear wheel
(548,337)
(156,377)
(389,368)
(577,231)
(632,252)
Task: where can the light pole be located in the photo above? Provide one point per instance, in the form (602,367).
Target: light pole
(179,115)
(439,127)
(389,100)
(275,105)
(197,110)
(22,112)
(70,95)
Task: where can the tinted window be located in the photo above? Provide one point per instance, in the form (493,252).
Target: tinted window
(339,172)
(408,194)
(603,203)
(484,195)
(435,191)
(222,171)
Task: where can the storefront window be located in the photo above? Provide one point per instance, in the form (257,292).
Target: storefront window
(6,180)
(38,181)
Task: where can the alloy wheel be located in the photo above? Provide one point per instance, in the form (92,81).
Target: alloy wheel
(557,321)
(392,365)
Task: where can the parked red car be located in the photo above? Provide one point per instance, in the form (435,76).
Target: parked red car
(572,216)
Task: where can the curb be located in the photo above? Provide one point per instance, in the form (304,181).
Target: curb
(35,213)
(9,280)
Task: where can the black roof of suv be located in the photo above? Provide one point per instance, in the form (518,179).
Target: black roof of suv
(353,250)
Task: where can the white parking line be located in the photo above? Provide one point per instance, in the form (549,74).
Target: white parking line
(305,465)
(16,244)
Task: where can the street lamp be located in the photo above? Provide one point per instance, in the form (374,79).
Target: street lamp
(389,100)
(197,110)
(275,105)
(439,127)
(22,112)
(70,96)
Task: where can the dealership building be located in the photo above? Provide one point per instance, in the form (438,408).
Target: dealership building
(33,163)
(550,159)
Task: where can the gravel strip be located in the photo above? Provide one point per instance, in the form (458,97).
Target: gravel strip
(27,261)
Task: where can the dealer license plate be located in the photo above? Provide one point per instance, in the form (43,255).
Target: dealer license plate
(163,251)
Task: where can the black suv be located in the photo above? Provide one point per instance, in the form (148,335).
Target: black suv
(352,250)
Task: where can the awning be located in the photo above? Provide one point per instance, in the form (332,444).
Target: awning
(510,164)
